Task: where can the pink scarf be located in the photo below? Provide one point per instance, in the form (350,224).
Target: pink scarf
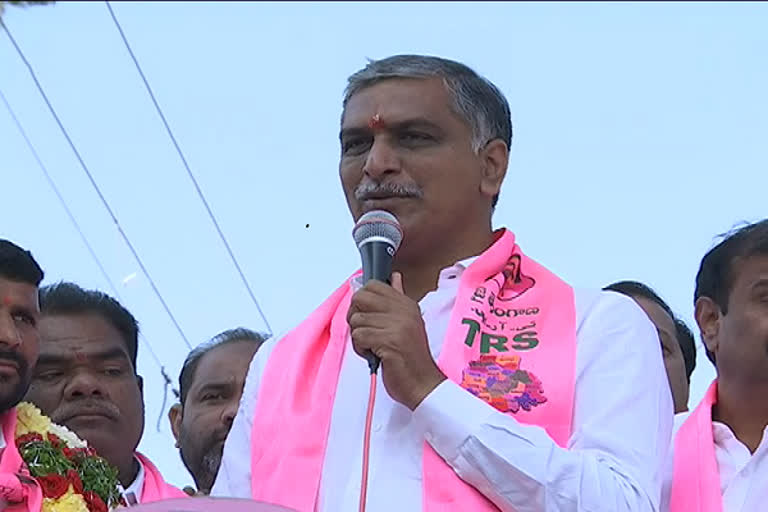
(155,488)
(17,488)
(512,328)
(696,479)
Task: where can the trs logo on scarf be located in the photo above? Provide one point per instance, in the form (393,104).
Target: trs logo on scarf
(499,381)
(515,282)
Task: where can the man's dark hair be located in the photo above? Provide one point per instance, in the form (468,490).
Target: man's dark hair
(682,332)
(716,272)
(687,345)
(65,298)
(475,99)
(17,264)
(187,375)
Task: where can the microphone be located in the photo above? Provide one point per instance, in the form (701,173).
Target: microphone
(378,235)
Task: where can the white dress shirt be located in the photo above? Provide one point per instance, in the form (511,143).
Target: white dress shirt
(622,425)
(743,475)
(133,492)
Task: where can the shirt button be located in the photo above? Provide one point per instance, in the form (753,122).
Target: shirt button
(377,427)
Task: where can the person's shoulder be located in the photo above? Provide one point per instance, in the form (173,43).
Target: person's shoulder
(295,335)
(609,309)
(150,483)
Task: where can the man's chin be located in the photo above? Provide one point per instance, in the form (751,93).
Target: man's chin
(209,466)
(9,400)
(95,434)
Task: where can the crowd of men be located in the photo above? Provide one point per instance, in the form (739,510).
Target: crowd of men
(580,403)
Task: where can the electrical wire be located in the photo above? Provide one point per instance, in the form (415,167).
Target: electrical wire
(142,338)
(95,185)
(191,175)
(71,216)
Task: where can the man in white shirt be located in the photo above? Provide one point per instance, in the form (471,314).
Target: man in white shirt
(20,275)
(86,379)
(427,139)
(727,431)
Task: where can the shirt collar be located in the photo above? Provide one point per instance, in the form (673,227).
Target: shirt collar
(452,272)
(723,435)
(136,486)
(721,432)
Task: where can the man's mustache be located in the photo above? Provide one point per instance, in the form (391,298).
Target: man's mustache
(15,357)
(219,435)
(366,191)
(86,406)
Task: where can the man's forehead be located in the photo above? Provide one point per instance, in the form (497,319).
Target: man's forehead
(223,358)
(394,101)
(751,270)
(220,363)
(17,292)
(81,350)
(86,329)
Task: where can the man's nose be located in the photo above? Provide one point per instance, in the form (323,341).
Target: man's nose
(85,384)
(382,159)
(229,413)
(9,332)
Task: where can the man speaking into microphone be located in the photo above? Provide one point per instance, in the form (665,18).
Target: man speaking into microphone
(500,387)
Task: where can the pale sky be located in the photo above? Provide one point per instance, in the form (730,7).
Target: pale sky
(640,134)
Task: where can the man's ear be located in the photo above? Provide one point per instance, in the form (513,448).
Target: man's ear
(175,415)
(495,156)
(708,315)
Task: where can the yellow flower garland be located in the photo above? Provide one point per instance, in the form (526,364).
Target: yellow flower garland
(30,420)
(70,502)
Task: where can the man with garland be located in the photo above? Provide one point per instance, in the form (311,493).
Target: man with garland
(20,276)
(86,379)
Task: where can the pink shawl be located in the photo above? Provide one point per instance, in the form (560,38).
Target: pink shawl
(696,479)
(155,488)
(17,487)
(510,341)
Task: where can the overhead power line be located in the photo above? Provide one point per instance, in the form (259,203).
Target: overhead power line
(186,166)
(72,218)
(142,338)
(95,185)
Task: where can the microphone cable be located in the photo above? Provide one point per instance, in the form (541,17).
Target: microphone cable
(373,364)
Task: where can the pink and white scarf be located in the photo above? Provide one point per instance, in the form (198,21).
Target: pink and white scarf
(696,478)
(19,492)
(511,341)
(155,487)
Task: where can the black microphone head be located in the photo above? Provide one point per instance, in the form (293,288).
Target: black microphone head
(378,225)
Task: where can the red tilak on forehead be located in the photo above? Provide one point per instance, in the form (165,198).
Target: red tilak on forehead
(7,301)
(376,122)
(79,356)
